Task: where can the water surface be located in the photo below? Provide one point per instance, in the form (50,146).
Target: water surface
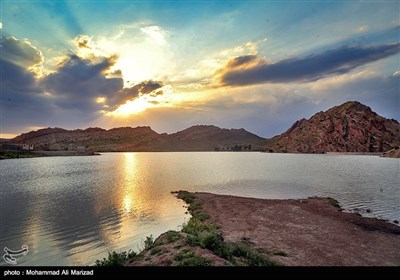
(73,210)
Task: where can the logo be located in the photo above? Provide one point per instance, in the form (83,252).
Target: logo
(10,255)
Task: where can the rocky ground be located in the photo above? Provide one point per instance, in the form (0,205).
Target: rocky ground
(393,153)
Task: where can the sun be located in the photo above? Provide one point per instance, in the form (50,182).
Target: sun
(133,107)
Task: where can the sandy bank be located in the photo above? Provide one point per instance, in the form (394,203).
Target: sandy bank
(307,232)
(311,231)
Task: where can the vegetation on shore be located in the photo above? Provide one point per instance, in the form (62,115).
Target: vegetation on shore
(18,154)
(199,243)
(6,154)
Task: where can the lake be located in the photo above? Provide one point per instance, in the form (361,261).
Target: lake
(73,210)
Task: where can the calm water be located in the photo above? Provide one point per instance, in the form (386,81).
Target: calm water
(73,210)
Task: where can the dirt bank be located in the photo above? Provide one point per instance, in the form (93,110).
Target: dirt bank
(248,231)
(311,231)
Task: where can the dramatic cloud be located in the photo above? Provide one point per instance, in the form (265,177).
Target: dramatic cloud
(18,83)
(22,53)
(77,83)
(77,91)
(247,70)
(81,84)
(22,99)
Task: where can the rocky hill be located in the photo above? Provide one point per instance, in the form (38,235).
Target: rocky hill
(196,138)
(350,127)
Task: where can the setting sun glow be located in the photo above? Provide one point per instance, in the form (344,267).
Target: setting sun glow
(133,107)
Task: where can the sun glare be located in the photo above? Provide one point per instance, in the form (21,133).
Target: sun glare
(133,107)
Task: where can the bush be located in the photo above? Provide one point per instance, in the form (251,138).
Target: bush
(189,258)
(149,242)
(195,226)
(172,236)
(116,258)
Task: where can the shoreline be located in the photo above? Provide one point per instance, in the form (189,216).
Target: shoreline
(230,231)
(34,154)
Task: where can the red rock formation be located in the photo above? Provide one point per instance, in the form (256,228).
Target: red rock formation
(350,127)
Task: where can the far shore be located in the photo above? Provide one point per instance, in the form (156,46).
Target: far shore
(227,230)
(34,154)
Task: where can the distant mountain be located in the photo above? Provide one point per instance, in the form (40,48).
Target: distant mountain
(209,137)
(350,127)
(195,138)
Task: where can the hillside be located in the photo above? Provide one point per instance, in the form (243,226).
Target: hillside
(350,127)
(209,137)
(196,138)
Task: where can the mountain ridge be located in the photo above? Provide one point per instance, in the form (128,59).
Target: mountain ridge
(141,138)
(349,127)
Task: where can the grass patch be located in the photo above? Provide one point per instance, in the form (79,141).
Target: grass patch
(195,226)
(189,258)
(249,256)
(156,251)
(17,154)
(173,236)
(275,252)
(185,196)
(116,258)
(194,205)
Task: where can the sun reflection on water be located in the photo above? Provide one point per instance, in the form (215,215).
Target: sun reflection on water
(127,204)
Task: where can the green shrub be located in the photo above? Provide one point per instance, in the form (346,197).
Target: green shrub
(149,242)
(116,258)
(173,236)
(195,226)
(250,256)
(189,258)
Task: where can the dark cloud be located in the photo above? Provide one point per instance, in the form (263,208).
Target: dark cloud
(126,94)
(241,60)
(19,87)
(78,82)
(22,99)
(309,68)
(21,53)
(145,87)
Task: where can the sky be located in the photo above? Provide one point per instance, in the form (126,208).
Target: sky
(258,65)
